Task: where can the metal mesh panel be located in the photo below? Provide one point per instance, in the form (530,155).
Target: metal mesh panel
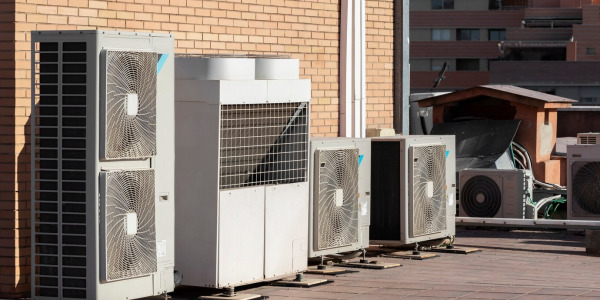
(263,144)
(427,186)
(129,197)
(59,143)
(130,125)
(336,198)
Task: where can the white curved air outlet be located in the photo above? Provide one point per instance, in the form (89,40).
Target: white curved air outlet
(277,68)
(130,103)
(127,224)
(336,194)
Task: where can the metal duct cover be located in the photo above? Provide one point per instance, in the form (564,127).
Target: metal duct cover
(277,68)
(215,68)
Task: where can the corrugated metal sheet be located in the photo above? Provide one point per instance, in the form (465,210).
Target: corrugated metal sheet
(466,19)
(455,49)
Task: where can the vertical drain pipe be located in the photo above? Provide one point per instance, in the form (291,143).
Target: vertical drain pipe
(353,108)
(345,91)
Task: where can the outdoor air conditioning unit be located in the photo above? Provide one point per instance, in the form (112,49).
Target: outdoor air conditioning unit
(102,165)
(491,193)
(583,182)
(242,142)
(340,195)
(589,138)
(413,188)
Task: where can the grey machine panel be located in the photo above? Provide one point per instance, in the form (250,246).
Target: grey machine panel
(340,196)
(413,188)
(85,106)
(583,186)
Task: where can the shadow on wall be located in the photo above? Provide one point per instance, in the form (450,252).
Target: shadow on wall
(23,218)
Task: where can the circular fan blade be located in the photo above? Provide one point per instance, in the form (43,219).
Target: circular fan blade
(481,197)
(130,125)
(130,197)
(337,202)
(586,187)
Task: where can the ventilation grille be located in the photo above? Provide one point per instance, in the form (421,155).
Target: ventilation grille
(59,138)
(336,198)
(588,138)
(128,224)
(480,197)
(263,144)
(427,186)
(130,125)
(586,187)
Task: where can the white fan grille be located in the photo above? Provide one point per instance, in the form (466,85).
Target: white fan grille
(427,187)
(337,223)
(130,125)
(129,193)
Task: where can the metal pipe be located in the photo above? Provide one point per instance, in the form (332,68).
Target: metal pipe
(539,223)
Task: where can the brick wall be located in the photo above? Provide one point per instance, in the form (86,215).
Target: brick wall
(307,30)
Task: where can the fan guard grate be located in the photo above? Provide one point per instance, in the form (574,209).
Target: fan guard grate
(428,189)
(337,225)
(481,197)
(133,255)
(130,125)
(586,186)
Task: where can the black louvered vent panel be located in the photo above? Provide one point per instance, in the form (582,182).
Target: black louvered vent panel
(385,191)
(60,169)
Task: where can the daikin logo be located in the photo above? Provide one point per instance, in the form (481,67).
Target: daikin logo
(162,58)
(447,152)
(360,157)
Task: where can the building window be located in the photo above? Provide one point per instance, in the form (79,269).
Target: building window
(467,64)
(440,34)
(497,34)
(494,4)
(442,4)
(467,34)
(590,51)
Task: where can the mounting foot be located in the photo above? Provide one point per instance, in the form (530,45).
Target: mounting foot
(300,281)
(230,294)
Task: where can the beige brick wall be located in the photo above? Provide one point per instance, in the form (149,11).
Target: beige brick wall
(307,30)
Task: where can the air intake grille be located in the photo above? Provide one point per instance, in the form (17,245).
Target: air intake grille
(427,186)
(336,198)
(263,144)
(128,224)
(588,138)
(59,140)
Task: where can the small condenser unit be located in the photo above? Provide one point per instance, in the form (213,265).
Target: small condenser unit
(583,182)
(491,193)
(242,130)
(413,188)
(102,165)
(340,195)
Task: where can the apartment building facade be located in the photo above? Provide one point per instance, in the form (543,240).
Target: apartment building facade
(313,31)
(550,46)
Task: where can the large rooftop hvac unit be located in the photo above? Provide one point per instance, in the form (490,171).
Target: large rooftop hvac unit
(340,195)
(102,165)
(242,129)
(413,188)
(490,193)
(583,182)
